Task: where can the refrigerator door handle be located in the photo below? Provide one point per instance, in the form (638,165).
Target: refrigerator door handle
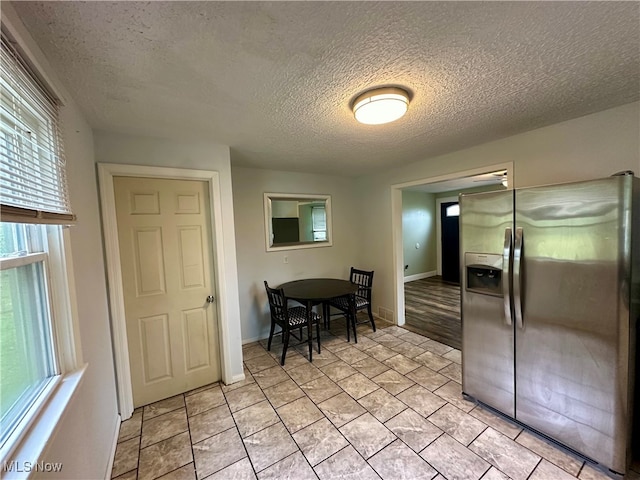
(517,277)
(506,260)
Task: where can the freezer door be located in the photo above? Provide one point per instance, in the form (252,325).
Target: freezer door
(572,318)
(487,333)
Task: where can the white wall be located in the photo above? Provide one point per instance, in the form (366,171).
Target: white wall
(255,264)
(588,147)
(84,436)
(84,439)
(159,152)
(418,228)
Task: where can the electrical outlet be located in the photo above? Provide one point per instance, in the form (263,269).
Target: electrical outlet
(285,259)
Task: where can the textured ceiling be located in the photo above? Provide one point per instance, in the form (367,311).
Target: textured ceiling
(274,80)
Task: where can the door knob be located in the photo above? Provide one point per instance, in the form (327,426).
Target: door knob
(210,299)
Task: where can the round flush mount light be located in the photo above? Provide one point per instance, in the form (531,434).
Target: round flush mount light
(381,105)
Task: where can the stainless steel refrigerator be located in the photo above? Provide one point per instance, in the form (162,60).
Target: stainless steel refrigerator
(550,300)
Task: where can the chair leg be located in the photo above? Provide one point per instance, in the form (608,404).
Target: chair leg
(373,324)
(309,331)
(347,318)
(350,317)
(355,325)
(285,339)
(318,332)
(273,326)
(327,316)
(354,319)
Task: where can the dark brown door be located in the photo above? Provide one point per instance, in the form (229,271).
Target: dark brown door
(450,242)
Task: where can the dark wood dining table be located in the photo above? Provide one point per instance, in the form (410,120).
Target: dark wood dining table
(315,291)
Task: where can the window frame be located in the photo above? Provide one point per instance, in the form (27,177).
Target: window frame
(35,391)
(33,431)
(64,340)
(452,210)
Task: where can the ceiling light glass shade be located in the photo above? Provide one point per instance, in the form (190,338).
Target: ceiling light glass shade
(382,105)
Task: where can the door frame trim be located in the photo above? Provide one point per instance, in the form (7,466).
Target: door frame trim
(439,202)
(396,224)
(106,172)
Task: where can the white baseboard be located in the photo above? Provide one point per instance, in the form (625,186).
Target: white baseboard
(238,378)
(246,341)
(385,315)
(114,444)
(419,276)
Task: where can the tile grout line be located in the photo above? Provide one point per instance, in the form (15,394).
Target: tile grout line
(235,425)
(193,453)
(315,404)
(323,414)
(362,414)
(488,470)
(184,395)
(537,464)
(277,414)
(426,418)
(448,391)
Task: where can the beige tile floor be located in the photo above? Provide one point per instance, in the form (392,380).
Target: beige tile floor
(387,407)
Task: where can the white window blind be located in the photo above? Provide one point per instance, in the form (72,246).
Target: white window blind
(33,184)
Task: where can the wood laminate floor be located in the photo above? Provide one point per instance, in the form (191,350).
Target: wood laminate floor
(432,308)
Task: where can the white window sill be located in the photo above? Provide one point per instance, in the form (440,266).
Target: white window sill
(24,457)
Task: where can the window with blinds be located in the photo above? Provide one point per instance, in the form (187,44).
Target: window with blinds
(33,185)
(33,191)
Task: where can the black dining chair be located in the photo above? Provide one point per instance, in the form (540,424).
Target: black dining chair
(364,280)
(288,319)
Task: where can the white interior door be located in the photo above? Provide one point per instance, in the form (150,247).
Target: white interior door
(164,232)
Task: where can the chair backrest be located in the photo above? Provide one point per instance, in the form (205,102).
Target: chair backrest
(277,302)
(364,279)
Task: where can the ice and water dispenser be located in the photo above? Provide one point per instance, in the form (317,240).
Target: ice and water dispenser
(484,273)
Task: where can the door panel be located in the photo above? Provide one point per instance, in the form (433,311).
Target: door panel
(191,261)
(196,334)
(154,345)
(149,265)
(144,203)
(571,350)
(188,202)
(165,242)
(487,342)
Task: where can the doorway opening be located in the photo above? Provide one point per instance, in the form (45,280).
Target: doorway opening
(449,241)
(426,249)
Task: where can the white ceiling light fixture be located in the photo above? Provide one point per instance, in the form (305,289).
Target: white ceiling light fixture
(381,105)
